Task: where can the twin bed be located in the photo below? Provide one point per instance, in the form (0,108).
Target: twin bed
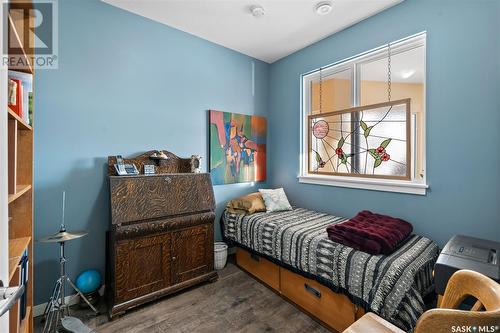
(296,242)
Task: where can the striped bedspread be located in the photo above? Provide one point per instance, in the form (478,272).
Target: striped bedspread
(392,286)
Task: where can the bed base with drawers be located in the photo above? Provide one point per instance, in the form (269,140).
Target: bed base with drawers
(333,310)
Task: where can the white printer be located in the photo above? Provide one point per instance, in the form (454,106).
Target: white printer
(463,252)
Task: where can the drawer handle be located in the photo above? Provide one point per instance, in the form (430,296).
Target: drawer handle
(255,257)
(312,290)
(168,180)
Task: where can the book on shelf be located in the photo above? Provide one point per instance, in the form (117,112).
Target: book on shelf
(12,92)
(30,108)
(17,107)
(26,89)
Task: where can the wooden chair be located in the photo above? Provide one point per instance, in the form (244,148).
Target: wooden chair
(462,284)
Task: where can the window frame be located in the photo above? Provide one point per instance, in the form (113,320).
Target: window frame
(412,186)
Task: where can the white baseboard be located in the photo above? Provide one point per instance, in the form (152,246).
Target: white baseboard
(70,300)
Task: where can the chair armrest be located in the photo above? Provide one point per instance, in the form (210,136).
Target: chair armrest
(442,320)
(372,323)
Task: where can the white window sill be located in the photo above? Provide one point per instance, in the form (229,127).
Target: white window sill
(400,186)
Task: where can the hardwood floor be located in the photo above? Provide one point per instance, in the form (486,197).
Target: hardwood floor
(234,303)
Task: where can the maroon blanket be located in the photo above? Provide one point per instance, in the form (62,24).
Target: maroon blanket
(370,232)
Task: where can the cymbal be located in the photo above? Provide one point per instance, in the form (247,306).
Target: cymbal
(63,236)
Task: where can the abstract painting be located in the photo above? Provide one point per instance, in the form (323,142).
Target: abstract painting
(237,148)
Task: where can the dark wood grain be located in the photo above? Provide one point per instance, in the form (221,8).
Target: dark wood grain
(119,308)
(151,197)
(142,228)
(143,266)
(193,252)
(161,236)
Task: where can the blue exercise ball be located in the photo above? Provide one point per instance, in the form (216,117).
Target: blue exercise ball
(88,281)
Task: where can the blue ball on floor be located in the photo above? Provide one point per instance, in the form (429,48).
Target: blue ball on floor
(88,281)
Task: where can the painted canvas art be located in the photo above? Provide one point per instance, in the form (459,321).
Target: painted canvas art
(237,148)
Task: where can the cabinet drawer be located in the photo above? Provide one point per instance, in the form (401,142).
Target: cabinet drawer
(335,310)
(259,267)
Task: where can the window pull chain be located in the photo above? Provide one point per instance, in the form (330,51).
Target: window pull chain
(389,72)
(320,90)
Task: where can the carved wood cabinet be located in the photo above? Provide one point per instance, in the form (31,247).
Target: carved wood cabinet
(161,236)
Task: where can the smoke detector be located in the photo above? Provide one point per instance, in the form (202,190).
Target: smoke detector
(257,11)
(324,7)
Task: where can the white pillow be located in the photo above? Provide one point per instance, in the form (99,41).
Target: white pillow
(275,200)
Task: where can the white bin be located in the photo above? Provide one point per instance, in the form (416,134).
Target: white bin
(220,255)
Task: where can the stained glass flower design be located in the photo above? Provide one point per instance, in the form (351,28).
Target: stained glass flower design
(372,140)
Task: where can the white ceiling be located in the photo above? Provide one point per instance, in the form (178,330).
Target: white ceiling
(287,26)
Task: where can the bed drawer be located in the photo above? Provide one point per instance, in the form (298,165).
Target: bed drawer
(333,309)
(259,267)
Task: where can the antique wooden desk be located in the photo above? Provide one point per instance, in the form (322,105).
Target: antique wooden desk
(161,234)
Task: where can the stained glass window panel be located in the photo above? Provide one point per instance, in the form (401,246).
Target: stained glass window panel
(372,140)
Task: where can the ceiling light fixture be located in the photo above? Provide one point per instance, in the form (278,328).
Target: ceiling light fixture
(324,7)
(257,11)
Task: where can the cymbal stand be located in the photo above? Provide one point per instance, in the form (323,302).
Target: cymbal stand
(57,308)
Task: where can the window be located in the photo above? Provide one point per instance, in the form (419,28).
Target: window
(360,131)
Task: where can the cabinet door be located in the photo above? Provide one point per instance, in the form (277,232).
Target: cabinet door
(192,252)
(143,265)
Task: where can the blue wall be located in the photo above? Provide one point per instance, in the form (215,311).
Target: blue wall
(463,117)
(125,85)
